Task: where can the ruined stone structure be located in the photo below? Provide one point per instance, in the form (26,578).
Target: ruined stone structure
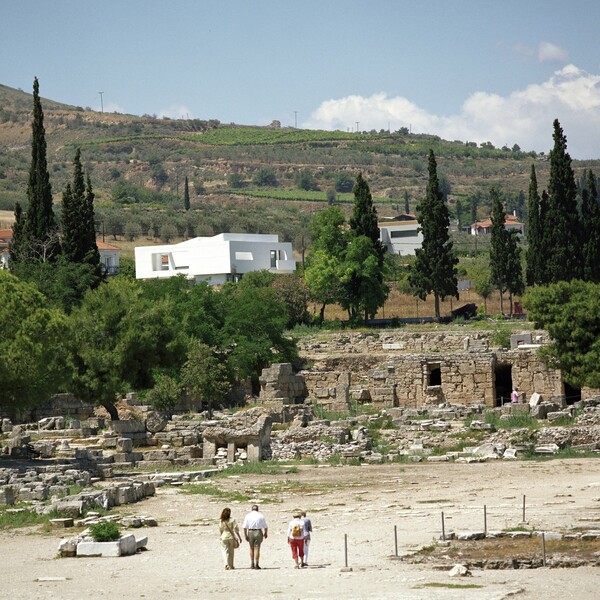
(246,433)
(279,382)
(409,369)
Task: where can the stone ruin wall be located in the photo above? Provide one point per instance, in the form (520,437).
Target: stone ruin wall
(393,369)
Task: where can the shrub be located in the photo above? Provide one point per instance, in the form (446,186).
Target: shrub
(106,531)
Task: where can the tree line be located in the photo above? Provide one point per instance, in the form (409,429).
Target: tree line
(64,327)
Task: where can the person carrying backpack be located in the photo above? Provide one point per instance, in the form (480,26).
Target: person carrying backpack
(295,536)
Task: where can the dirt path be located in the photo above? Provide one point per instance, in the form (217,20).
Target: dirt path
(183,558)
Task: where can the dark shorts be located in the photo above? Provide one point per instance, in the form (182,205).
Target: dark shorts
(255,537)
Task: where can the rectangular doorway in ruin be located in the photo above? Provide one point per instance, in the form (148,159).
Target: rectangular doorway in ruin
(502,383)
(434,374)
(572,394)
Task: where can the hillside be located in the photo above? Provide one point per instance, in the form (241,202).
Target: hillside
(148,160)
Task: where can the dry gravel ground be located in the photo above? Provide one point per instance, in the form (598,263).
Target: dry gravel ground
(183,558)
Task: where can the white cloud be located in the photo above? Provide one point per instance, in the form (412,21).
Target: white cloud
(175,111)
(548,52)
(523,117)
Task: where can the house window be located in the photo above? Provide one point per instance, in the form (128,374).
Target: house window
(403,233)
(273,259)
(164,262)
(243,256)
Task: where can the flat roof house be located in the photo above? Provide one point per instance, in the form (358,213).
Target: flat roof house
(400,234)
(217,259)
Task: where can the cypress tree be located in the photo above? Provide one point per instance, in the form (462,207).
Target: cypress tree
(78,229)
(534,249)
(16,244)
(91,255)
(186,195)
(435,263)
(40,231)
(590,216)
(561,228)
(364,215)
(505,254)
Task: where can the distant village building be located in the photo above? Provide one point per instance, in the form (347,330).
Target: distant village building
(5,238)
(511,223)
(217,260)
(109,255)
(400,234)
(109,258)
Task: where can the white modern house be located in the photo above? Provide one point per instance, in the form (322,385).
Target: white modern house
(400,234)
(218,259)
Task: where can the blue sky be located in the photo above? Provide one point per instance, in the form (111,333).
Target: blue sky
(473,70)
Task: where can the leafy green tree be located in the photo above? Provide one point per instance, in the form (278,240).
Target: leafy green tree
(534,232)
(331,196)
(590,216)
(132,229)
(363,288)
(38,239)
(253,331)
(328,246)
(118,337)
(305,180)
(293,293)
(165,395)
(561,242)
(435,263)
(481,275)
(186,194)
(62,282)
(265,177)
(167,232)
(33,340)
(235,180)
(569,312)
(344,182)
(204,375)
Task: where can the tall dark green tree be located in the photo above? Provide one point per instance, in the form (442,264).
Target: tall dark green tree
(186,194)
(505,254)
(363,290)
(590,216)
(534,232)
(364,215)
(78,228)
(561,241)
(434,270)
(39,241)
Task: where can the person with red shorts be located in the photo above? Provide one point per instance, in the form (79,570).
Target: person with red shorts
(295,535)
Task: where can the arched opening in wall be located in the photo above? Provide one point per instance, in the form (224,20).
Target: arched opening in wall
(572,394)
(502,383)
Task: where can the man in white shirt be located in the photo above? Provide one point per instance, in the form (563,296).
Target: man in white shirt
(307,532)
(255,530)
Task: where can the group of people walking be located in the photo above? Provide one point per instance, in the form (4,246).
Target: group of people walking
(256,530)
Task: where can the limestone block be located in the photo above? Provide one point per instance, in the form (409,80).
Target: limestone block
(535,399)
(99,548)
(124,445)
(62,523)
(125,495)
(7,495)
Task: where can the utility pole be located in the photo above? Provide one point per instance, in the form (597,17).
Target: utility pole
(295,119)
(101,102)
(357,122)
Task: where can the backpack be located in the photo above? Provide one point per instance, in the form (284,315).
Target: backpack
(297,531)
